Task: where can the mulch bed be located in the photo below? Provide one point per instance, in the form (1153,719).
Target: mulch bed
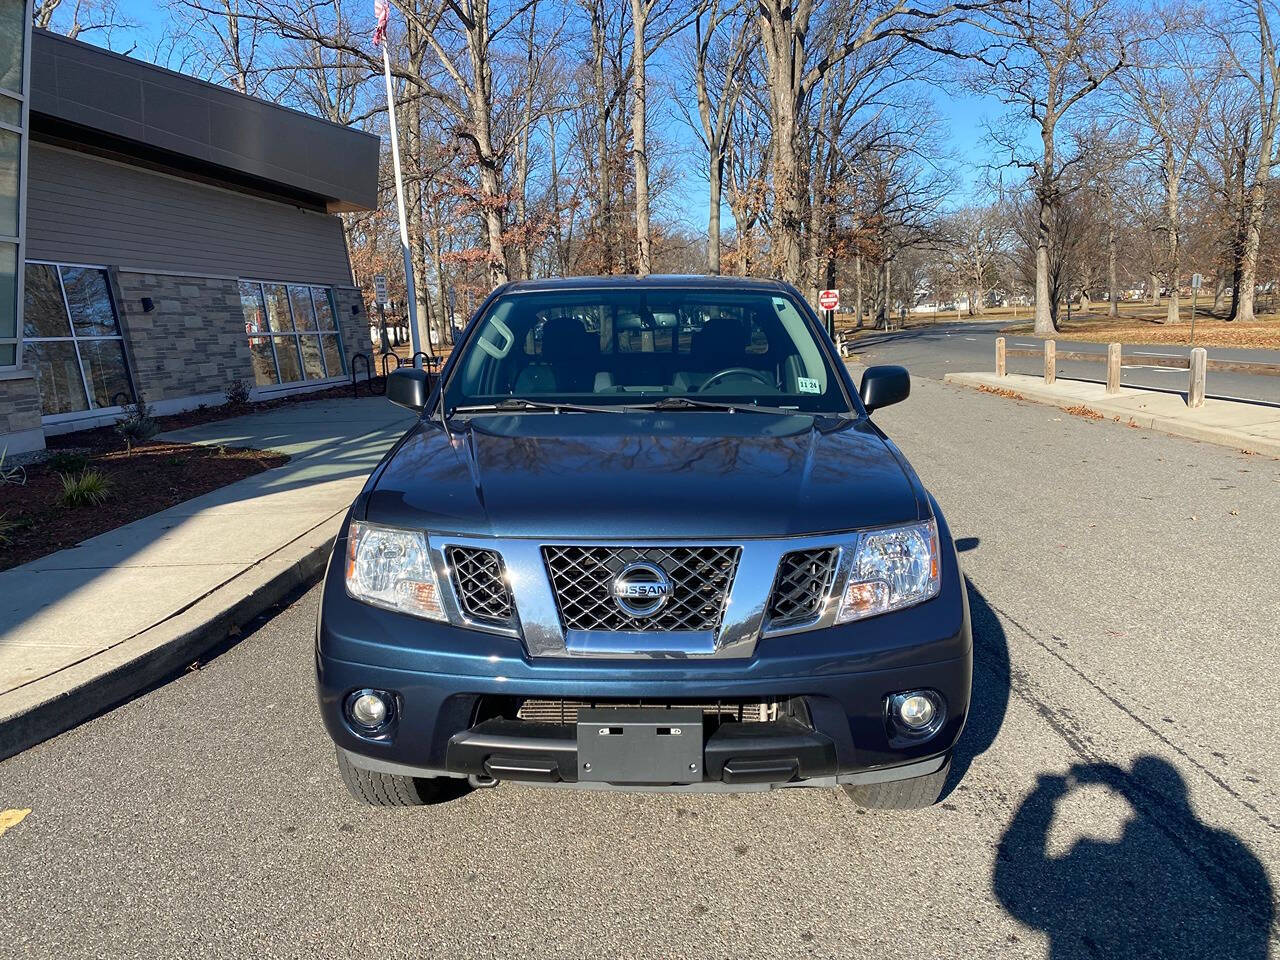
(155,476)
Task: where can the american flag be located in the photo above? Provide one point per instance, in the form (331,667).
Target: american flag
(381,10)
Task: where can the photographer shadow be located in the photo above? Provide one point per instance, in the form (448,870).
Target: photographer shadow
(1169,887)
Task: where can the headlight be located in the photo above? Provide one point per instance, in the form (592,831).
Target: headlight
(892,569)
(392,568)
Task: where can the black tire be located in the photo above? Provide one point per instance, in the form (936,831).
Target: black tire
(914,794)
(386,789)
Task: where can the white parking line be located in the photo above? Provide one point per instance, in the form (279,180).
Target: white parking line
(972,339)
(1019,344)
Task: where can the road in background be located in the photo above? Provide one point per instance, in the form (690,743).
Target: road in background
(1119,791)
(939,349)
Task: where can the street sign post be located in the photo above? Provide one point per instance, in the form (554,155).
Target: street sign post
(1196,282)
(829,301)
(380,295)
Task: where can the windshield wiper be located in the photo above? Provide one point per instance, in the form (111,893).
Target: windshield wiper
(688,403)
(518,404)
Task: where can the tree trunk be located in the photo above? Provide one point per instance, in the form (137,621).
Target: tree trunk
(1113,292)
(639,152)
(480,96)
(715,173)
(783,35)
(442,296)
(410,115)
(1044,308)
(1153,289)
(1219,291)
(1252,240)
(1171,227)
(857,291)
(604,215)
(554,188)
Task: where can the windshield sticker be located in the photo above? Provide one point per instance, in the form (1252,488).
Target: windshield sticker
(808,386)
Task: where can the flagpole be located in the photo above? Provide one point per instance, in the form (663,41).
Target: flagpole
(410,293)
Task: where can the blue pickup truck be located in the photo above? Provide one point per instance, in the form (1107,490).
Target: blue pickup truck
(645,536)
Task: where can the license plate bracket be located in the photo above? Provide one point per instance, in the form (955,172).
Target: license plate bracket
(640,745)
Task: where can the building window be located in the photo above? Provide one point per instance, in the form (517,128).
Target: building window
(14,29)
(293,332)
(71,338)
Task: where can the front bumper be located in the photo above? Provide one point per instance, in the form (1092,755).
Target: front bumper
(447,679)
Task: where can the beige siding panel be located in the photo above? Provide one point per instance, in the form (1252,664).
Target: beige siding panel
(81,209)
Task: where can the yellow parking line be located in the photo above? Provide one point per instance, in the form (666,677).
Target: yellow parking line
(11,818)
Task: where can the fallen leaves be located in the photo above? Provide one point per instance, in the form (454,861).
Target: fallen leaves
(11,818)
(1001,392)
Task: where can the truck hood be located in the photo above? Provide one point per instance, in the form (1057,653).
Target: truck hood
(645,476)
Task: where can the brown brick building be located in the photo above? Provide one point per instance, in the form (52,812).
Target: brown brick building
(173,236)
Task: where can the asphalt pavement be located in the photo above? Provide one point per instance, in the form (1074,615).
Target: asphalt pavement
(936,350)
(1115,792)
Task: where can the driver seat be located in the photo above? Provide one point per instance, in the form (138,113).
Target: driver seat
(721,343)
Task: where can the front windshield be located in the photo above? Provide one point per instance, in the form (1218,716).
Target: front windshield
(629,347)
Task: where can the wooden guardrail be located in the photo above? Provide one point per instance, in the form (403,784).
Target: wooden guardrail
(1148,360)
(1197,365)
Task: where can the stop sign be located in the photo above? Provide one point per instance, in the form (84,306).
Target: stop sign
(829,299)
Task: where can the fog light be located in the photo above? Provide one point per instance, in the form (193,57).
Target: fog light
(369,710)
(915,712)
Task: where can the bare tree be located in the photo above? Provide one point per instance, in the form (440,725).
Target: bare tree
(222,38)
(81,17)
(717,65)
(1170,87)
(1252,49)
(785,27)
(980,234)
(1049,55)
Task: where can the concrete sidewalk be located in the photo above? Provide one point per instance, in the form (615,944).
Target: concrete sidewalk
(88,626)
(1246,426)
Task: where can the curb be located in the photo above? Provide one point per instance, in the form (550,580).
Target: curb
(52,705)
(1244,442)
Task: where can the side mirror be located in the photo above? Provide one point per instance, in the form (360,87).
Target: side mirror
(407,387)
(882,386)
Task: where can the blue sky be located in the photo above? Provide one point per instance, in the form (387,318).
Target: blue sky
(962,116)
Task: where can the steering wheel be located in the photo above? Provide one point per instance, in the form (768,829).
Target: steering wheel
(758,375)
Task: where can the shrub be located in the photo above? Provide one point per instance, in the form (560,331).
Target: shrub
(85,489)
(237,394)
(65,461)
(15,475)
(137,425)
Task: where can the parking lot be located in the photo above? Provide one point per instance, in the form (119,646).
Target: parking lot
(1116,795)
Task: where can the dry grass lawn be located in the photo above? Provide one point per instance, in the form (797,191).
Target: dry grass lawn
(1142,323)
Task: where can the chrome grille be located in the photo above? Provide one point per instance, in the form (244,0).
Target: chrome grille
(566,711)
(481,584)
(801,586)
(582,580)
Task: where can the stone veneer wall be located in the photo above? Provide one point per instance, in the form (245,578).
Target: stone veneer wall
(192,343)
(19,412)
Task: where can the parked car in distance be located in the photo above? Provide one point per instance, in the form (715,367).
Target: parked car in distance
(644,535)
